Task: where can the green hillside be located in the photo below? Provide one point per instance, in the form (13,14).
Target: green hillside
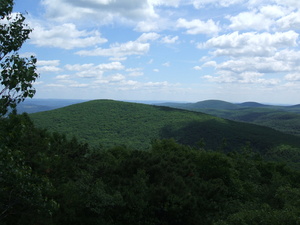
(282,118)
(110,123)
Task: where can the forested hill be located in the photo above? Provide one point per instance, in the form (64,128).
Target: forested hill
(109,123)
(282,118)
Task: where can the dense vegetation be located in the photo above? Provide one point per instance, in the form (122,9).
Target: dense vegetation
(111,123)
(282,118)
(48,179)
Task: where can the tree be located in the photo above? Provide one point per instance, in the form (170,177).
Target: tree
(16,73)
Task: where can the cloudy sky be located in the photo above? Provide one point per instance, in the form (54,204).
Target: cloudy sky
(180,50)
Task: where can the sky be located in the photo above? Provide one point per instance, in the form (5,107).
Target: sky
(165,50)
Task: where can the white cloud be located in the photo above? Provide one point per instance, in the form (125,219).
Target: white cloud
(135,72)
(197,68)
(251,43)
(250,20)
(292,77)
(295,4)
(210,64)
(148,37)
(62,77)
(290,21)
(78,85)
(91,73)
(79,67)
(198,26)
(100,11)
(147,26)
(273,11)
(285,61)
(48,69)
(48,62)
(220,79)
(198,4)
(156,70)
(94,71)
(173,3)
(156,84)
(117,58)
(169,39)
(242,78)
(110,66)
(256,64)
(117,77)
(65,36)
(118,50)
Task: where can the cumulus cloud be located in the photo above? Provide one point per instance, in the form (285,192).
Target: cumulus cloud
(224,3)
(48,66)
(135,72)
(62,77)
(117,50)
(250,21)
(210,64)
(77,85)
(148,26)
(65,36)
(48,62)
(197,26)
(110,66)
(292,76)
(94,71)
(148,37)
(173,3)
(197,68)
(169,39)
(250,43)
(100,11)
(256,64)
(254,70)
(79,67)
(290,21)
(242,78)
(90,73)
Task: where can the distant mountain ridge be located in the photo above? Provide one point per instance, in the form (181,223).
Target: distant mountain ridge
(252,104)
(219,104)
(282,118)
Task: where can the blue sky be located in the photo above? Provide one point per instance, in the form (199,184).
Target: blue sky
(165,50)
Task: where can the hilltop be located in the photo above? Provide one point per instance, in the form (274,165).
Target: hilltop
(109,123)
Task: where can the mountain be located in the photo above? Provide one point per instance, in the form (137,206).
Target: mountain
(109,123)
(207,104)
(281,118)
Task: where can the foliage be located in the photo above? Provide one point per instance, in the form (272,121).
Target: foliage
(24,191)
(110,123)
(17,73)
(56,180)
(282,118)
